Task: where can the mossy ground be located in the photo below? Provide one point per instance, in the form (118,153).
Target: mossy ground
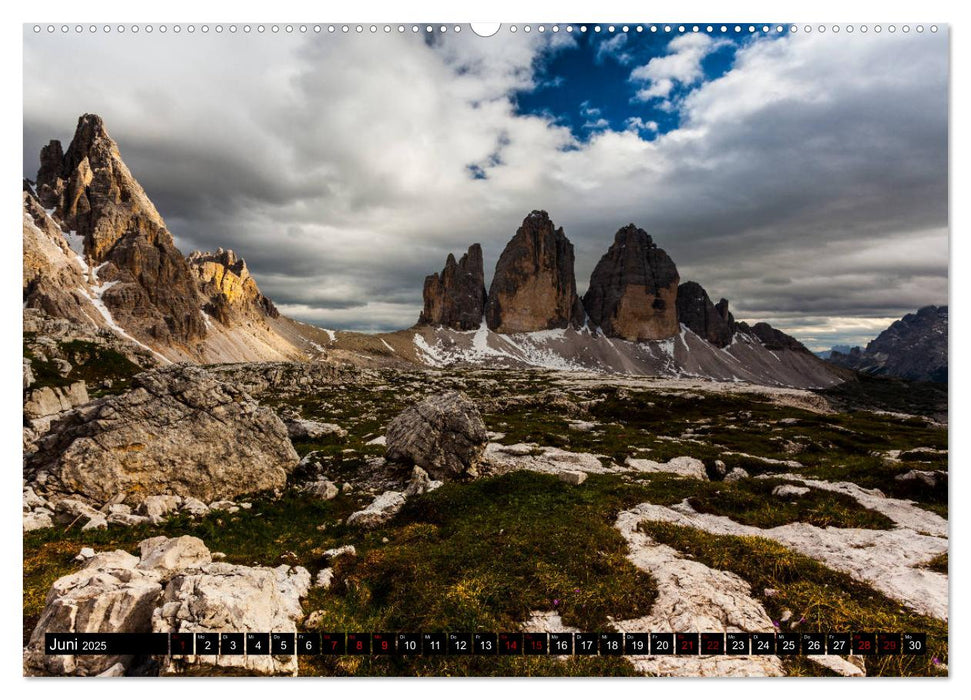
(482,555)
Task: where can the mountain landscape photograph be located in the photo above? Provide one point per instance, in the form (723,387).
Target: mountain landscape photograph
(403,334)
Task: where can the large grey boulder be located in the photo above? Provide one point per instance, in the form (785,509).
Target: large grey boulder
(179,432)
(444,435)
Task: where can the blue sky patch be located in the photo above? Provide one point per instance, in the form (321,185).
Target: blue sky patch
(599,83)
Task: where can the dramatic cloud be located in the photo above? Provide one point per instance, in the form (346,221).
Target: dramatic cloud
(808,184)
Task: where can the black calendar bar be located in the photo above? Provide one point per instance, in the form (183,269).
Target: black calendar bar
(486,643)
(110,644)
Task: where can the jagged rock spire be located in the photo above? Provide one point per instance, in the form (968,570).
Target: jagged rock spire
(456,298)
(534,287)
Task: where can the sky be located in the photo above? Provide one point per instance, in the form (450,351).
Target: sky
(802,176)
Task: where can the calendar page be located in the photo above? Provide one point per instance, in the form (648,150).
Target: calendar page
(436,349)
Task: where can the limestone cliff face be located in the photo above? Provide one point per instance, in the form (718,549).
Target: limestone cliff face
(633,289)
(229,291)
(712,322)
(534,287)
(152,292)
(54,278)
(456,298)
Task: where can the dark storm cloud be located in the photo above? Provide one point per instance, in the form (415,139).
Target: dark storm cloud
(808,184)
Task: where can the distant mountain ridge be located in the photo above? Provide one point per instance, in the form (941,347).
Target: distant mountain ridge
(915,348)
(97,252)
(636,317)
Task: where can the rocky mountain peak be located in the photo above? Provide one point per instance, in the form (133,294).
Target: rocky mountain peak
(534,287)
(633,289)
(93,194)
(456,298)
(712,322)
(914,347)
(229,291)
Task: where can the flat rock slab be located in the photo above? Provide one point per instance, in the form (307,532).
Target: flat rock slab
(891,561)
(548,460)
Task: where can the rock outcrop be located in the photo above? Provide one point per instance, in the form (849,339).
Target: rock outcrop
(172,586)
(152,293)
(456,298)
(915,348)
(179,431)
(712,322)
(229,291)
(54,275)
(772,338)
(633,290)
(48,401)
(444,435)
(534,287)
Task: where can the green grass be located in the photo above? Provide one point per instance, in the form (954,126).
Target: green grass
(481,557)
(750,502)
(823,600)
(939,564)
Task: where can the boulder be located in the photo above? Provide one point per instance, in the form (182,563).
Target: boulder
(380,511)
(789,491)
(682,466)
(534,287)
(444,435)
(106,595)
(633,289)
(194,507)
(931,478)
(456,298)
(172,587)
(178,432)
(420,483)
(324,489)
(302,429)
(37,521)
(155,508)
(573,478)
(736,474)
(347,550)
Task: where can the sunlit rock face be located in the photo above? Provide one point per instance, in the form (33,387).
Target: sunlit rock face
(534,287)
(230,292)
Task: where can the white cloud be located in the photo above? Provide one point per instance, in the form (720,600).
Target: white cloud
(614,48)
(639,124)
(339,165)
(682,64)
